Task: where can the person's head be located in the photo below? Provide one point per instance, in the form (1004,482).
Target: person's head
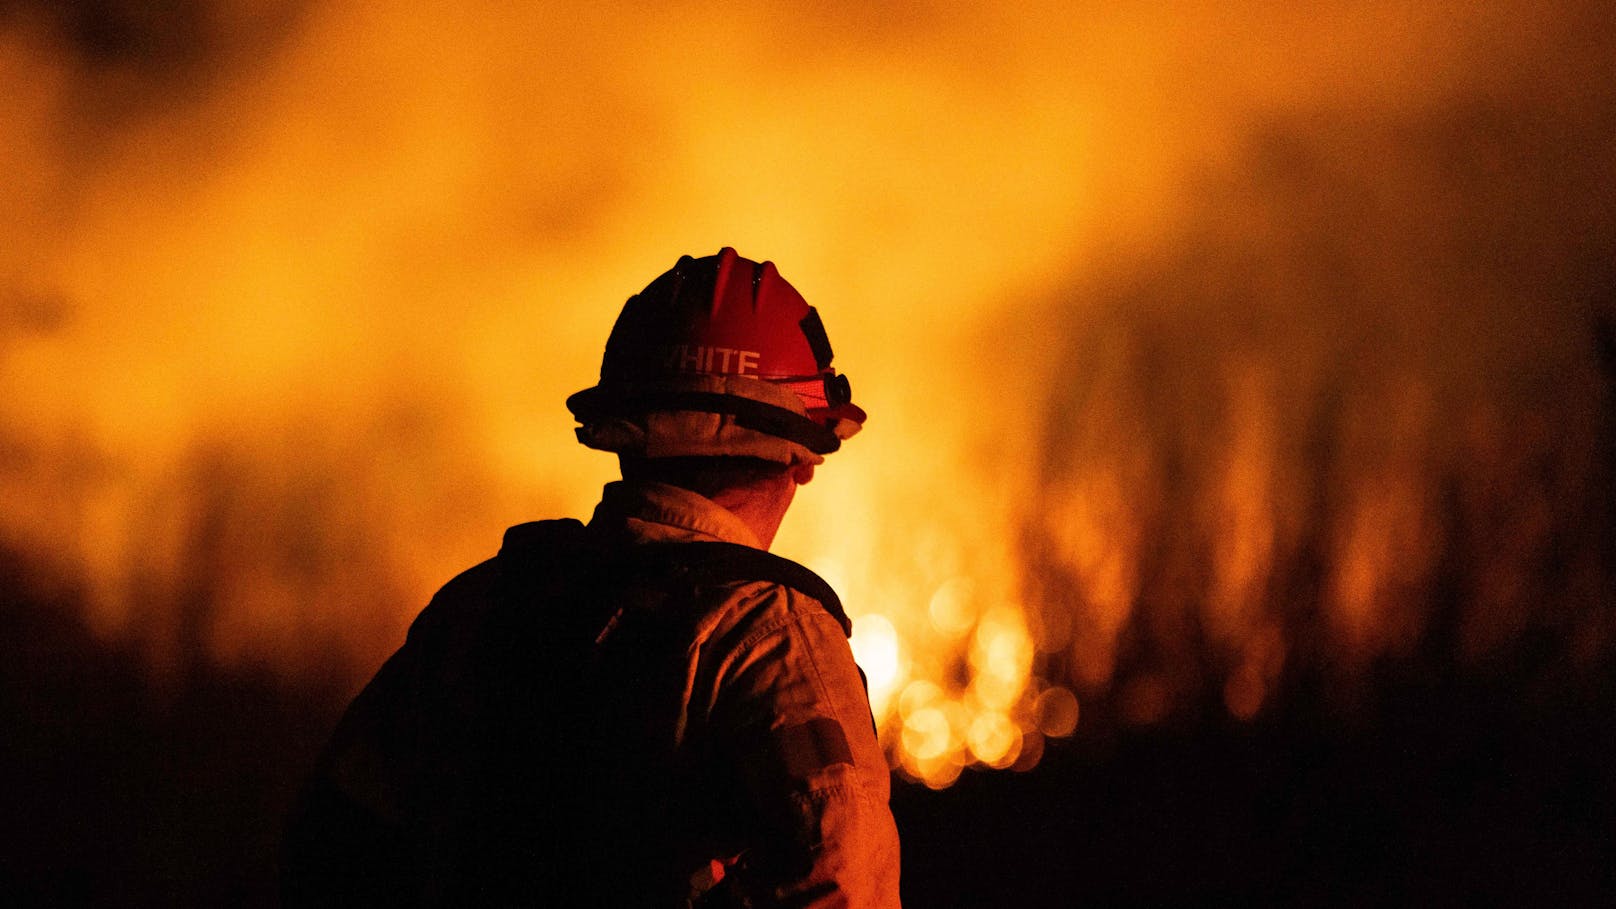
(717,378)
(718,357)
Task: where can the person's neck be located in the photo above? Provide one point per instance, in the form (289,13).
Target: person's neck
(762,513)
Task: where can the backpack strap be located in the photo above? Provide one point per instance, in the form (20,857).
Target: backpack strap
(530,548)
(536,538)
(708,563)
(554,563)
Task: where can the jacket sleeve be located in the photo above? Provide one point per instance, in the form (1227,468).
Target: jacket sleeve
(794,709)
(347,840)
(344,842)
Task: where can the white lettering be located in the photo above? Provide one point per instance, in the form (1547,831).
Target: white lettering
(710,360)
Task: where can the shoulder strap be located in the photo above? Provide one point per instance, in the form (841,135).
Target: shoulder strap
(540,536)
(721,563)
(545,561)
(564,542)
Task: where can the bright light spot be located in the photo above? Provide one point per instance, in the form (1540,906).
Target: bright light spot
(953,607)
(1002,654)
(936,772)
(994,740)
(919,694)
(876,648)
(996,691)
(1057,712)
(926,734)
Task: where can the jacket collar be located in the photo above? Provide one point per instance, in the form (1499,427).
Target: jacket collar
(657,512)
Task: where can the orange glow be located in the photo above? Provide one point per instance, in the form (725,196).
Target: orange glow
(878,651)
(994,739)
(1057,712)
(285,338)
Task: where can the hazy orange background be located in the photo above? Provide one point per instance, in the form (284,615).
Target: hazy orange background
(1199,343)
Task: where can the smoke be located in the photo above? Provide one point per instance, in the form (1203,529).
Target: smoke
(1350,417)
(1222,324)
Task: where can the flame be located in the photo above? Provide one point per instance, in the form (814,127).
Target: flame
(290,309)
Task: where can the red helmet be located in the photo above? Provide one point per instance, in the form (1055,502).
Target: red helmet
(732,347)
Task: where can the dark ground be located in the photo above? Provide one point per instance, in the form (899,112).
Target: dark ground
(1443,791)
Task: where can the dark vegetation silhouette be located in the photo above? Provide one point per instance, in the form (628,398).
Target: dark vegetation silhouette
(122,789)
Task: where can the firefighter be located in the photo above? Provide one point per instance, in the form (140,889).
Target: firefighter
(650,709)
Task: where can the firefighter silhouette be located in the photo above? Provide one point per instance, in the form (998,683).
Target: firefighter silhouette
(648,709)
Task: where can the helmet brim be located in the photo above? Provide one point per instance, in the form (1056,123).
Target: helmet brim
(616,415)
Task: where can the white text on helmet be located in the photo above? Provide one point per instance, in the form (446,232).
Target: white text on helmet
(709,360)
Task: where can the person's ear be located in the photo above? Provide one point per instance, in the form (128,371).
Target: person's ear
(802,473)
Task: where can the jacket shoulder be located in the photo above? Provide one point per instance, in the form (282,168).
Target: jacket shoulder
(478,589)
(731,565)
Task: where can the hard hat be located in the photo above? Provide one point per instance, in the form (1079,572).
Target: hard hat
(718,356)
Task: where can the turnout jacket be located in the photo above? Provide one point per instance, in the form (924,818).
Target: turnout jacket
(647,711)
